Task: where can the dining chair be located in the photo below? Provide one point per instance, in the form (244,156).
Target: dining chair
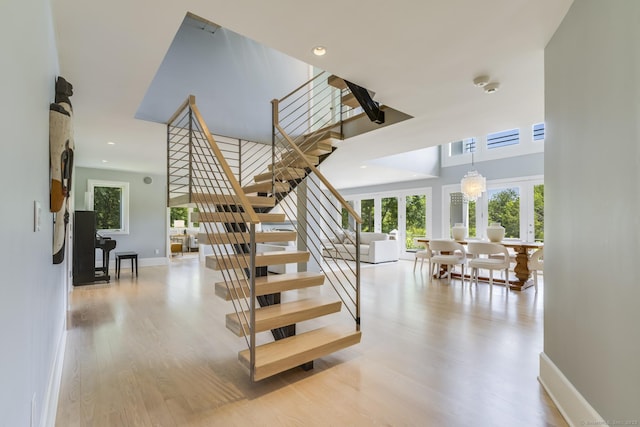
(483,257)
(422,254)
(449,253)
(535,264)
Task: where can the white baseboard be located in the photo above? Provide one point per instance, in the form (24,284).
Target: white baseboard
(53,388)
(572,405)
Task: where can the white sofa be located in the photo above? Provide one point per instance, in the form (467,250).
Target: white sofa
(374,248)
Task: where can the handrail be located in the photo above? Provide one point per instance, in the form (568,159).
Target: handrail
(299,87)
(242,198)
(184,105)
(315,170)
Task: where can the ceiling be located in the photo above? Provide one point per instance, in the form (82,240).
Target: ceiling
(419,57)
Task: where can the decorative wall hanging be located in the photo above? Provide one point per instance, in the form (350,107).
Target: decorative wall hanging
(61,164)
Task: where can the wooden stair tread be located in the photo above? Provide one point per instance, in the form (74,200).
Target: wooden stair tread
(239,237)
(278,315)
(293,163)
(218,199)
(281,174)
(290,156)
(266,187)
(262,259)
(336,82)
(269,284)
(234,217)
(350,100)
(281,355)
(316,148)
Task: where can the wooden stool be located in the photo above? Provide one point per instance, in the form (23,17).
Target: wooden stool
(133,256)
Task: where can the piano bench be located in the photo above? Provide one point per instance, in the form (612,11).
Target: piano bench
(133,256)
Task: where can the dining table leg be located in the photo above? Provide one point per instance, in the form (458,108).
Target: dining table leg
(522,272)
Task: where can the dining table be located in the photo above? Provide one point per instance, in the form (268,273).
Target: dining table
(521,270)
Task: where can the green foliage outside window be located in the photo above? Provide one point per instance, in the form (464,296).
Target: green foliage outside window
(107,206)
(538,211)
(367,214)
(180,214)
(389,214)
(416,219)
(472,218)
(504,207)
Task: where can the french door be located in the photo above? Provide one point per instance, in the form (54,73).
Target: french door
(404,215)
(518,205)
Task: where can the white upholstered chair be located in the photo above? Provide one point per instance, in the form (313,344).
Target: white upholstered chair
(422,255)
(483,257)
(535,264)
(449,253)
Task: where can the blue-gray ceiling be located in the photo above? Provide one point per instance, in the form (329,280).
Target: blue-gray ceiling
(232,77)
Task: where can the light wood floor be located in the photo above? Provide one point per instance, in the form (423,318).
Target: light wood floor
(154,351)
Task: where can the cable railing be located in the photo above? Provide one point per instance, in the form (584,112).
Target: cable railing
(209,173)
(327,226)
(224,211)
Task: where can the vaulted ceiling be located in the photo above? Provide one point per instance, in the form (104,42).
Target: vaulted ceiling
(420,57)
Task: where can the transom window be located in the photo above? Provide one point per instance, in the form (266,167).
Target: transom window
(503,138)
(538,132)
(467,145)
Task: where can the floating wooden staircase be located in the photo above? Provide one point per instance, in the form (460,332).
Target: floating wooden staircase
(229,212)
(292,351)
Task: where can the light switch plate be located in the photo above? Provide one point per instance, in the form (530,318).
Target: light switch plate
(37,213)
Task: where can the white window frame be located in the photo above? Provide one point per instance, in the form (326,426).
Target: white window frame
(124,202)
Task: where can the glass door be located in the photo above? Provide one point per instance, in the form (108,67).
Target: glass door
(415,224)
(367,213)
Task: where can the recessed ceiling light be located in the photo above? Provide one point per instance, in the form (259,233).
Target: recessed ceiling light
(111,143)
(105,161)
(319,51)
(481,81)
(491,87)
(363,167)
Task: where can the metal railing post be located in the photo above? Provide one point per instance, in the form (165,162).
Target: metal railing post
(274,122)
(357,276)
(252,297)
(190,153)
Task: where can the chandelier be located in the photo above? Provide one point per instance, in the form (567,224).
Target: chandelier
(473,184)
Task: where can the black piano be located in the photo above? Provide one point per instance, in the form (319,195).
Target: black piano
(85,242)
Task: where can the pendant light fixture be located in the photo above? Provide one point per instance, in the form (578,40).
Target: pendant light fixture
(473,184)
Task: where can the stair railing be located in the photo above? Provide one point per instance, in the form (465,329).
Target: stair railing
(327,225)
(198,173)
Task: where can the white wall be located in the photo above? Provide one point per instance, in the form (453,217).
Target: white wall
(592,201)
(32,290)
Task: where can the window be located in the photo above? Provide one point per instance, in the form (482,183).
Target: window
(504,207)
(415,219)
(538,132)
(181,214)
(389,214)
(467,145)
(110,201)
(503,138)
(367,212)
(538,212)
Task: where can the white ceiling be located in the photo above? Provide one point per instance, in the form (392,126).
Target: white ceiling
(420,57)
